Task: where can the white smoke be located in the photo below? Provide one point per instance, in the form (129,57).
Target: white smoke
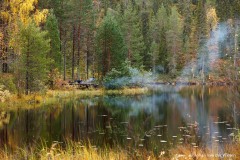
(211,53)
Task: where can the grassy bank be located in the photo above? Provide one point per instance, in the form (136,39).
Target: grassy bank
(97,92)
(89,152)
(37,100)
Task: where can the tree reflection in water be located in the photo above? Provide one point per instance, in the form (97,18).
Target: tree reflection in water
(200,116)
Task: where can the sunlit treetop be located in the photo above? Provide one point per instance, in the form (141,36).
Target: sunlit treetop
(18,10)
(212,18)
(22,12)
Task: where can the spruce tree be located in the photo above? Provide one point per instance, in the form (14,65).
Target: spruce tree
(154,51)
(163,52)
(53,34)
(54,54)
(112,49)
(202,33)
(158,29)
(145,19)
(88,31)
(224,9)
(174,41)
(32,61)
(133,37)
(186,13)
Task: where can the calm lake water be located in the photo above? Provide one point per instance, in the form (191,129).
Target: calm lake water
(200,116)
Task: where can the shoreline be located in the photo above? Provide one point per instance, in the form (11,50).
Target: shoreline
(52,96)
(78,150)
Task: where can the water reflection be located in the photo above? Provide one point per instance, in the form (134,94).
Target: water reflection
(200,116)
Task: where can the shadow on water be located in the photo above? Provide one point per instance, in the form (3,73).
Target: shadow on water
(199,116)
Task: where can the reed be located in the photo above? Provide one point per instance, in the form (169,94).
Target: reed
(76,150)
(37,100)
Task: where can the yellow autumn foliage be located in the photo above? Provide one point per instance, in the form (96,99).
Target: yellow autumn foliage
(17,12)
(40,16)
(212,19)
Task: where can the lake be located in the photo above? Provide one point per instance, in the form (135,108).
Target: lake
(167,116)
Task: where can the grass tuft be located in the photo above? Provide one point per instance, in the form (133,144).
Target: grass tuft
(76,150)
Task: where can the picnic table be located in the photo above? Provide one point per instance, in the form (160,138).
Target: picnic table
(84,84)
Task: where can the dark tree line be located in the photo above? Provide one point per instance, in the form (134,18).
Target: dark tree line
(48,40)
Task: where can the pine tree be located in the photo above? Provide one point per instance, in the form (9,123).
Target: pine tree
(62,10)
(202,33)
(133,37)
(174,35)
(53,34)
(33,62)
(145,19)
(186,13)
(54,54)
(154,51)
(110,41)
(224,9)
(12,13)
(163,52)
(21,11)
(88,29)
(158,28)
(155,6)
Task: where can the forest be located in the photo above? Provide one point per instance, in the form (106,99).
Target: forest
(119,79)
(45,43)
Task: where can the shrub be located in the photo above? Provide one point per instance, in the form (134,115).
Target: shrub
(4,94)
(8,82)
(129,77)
(54,79)
(115,80)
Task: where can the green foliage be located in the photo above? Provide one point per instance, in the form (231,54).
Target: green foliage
(163,52)
(133,37)
(60,7)
(186,13)
(159,50)
(53,34)
(97,37)
(112,49)
(4,94)
(154,51)
(145,19)
(174,39)
(203,59)
(32,62)
(201,19)
(128,77)
(114,80)
(228,9)
(8,83)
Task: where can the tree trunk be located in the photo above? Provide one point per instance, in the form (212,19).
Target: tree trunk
(73,52)
(78,51)
(27,68)
(203,68)
(104,65)
(64,62)
(236,49)
(108,60)
(87,56)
